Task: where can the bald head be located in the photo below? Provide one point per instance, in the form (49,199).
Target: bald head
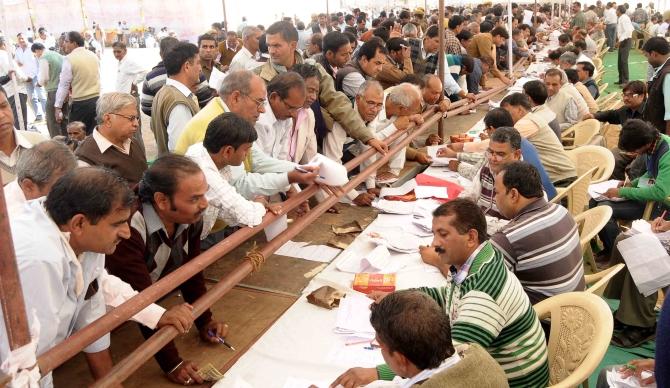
(432,90)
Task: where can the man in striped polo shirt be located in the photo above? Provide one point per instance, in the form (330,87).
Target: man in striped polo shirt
(484,300)
(540,244)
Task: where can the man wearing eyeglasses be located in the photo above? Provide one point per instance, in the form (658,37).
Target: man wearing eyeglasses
(112,143)
(286,95)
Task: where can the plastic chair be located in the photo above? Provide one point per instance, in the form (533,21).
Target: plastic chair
(597,282)
(581,133)
(588,156)
(602,87)
(605,99)
(598,63)
(611,134)
(581,329)
(576,194)
(590,222)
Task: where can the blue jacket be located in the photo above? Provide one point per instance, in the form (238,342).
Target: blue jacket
(529,154)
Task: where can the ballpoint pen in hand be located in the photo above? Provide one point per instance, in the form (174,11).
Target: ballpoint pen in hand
(212,334)
(298,168)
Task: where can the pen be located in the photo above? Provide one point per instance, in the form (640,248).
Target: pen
(212,334)
(306,172)
(663,215)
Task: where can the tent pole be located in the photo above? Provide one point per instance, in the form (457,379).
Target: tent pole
(225,16)
(441,58)
(510,58)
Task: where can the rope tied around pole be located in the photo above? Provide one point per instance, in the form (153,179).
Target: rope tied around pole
(255,256)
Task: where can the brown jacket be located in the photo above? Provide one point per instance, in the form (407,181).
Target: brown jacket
(228,55)
(476,369)
(335,105)
(392,73)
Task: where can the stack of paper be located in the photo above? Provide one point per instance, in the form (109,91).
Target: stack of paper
(397,191)
(302,250)
(438,161)
(376,261)
(423,215)
(395,239)
(331,173)
(295,382)
(353,316)
(394,207)
(596,190)
(431,192)
(647,261)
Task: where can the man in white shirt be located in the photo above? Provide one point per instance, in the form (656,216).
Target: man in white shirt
(610,18)
(45,38)
(60,244)
(37,170)
(247,57)
(29,64)
(624,34)
(92,44)
(286,95)
(12,141)
(129,73)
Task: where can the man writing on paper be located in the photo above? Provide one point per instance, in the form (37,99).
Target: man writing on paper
(638,138)
(484,301)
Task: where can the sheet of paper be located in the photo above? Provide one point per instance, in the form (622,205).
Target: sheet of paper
(375,261)
(431,192)
(615,380)
(302,250)
(395,239)
(332,173)
(275,228)
(401,190)
(347,356)
(647,261)
(643,226)
(394,207)
(295,382)
(353,315)
(596,190)
(216,79)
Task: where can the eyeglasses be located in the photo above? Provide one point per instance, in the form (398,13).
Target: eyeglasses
(496,155)
(291,109)
(633,95)
(259,102)
(130,118)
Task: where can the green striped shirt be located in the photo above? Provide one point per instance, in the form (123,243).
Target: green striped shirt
(492,310)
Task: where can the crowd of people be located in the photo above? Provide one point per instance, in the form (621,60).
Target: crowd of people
(109,224)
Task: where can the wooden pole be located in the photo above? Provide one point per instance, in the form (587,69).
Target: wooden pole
(84,18)
(32,18)
(327,11)
(510,57)
(440,52)
(225,16)
(11,294)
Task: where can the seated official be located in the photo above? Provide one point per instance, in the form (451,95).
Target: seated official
(573,79)
(485,302)
(423,355)
(286,96)
(559,166)
(164,235)
(586,72)
(560,101)
(302,142)
(37,170)
(541,242)
(537,94)
(634,99)
(504,147)
(469,163)
(112,143)
(60,243)
(228,143)
(638,138)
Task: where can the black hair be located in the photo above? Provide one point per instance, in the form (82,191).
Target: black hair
(333,40)
(455,21)
(573,78)
(507,134)
(467,216)
(163,176)
(536,91)
(382,33)
(206,37)
(285,30)
(464,35)
(284,82)
(36,46)
(564,38)
(351,36)
(588,67)
(431,32)
(395,44)
(523,177)
(658,44)
(497,118)
(181,53)
(76,38)
(425,342)
(369,49)
(468,63)
(517,99)
(348,17)
(166,45)
(91,191)
(500,31)
(486,26)
(637,87)
(228,129)
(636,134)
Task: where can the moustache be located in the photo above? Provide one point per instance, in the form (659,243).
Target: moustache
(440,250)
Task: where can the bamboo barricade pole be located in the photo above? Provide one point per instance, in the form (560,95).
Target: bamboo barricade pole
(440,52)
(510,55)
(144,352)
(225,16)
(11,294)
(62,352)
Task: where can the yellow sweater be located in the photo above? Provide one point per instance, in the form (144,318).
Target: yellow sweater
(197,126)
(85,74)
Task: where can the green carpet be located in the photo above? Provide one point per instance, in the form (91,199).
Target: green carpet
(616,355)
(637,68)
